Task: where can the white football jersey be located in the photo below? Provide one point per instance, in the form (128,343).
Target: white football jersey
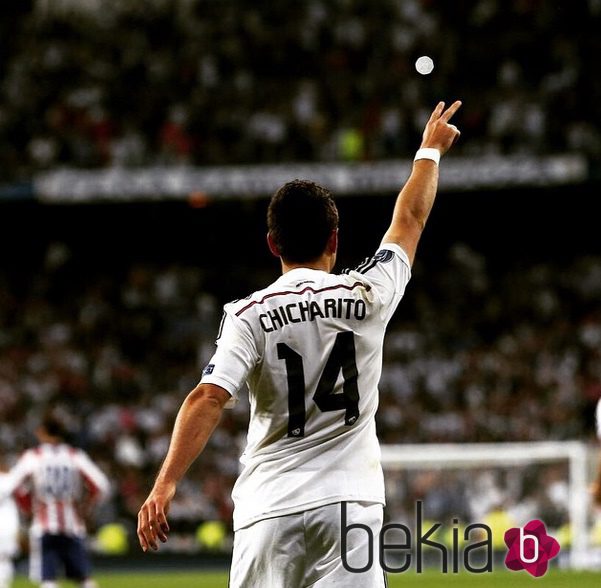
(9,518)
(55,476)
(310,348)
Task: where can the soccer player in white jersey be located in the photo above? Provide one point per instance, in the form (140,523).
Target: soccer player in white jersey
(62,483)
(9,531)
(310,348)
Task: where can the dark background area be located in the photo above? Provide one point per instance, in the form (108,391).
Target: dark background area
(511,228)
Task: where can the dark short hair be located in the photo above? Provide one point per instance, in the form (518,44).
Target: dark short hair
(53,425)
(300,218)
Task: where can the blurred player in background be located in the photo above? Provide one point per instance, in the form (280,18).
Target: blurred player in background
(310,348)
(597,484)
(9,530)
(62,484)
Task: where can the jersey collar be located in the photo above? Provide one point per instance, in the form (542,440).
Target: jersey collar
(299,273)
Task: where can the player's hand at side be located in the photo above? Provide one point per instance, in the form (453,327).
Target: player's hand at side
(152,518)
(439,134)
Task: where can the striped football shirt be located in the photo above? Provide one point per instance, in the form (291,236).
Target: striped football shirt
(56,476)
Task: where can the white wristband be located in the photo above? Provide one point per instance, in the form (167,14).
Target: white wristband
(428,153)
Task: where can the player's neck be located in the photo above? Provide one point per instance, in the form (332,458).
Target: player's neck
(50,440)
(325,263)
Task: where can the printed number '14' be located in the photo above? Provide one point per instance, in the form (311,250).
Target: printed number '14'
(342,357)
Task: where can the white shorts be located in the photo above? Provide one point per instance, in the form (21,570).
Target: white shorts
(311,549)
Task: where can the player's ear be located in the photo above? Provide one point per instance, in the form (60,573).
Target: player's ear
(272,246)
(332,245)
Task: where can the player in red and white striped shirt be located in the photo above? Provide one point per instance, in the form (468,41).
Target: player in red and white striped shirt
(59,483)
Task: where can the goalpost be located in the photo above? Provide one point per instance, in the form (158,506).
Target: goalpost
(506,455)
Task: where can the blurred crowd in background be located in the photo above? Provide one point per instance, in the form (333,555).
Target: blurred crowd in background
(117,353)
(92,84)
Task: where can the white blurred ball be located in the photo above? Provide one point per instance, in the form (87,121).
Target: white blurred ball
(424,65)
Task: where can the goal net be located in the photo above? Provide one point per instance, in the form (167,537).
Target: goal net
(502,485)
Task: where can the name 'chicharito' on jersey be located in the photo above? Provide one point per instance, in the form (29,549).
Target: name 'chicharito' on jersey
(304,310)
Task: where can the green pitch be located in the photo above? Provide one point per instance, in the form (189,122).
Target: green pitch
(554,579)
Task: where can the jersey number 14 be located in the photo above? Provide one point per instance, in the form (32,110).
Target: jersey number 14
(342,357)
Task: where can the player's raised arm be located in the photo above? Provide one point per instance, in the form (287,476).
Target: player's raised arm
(415,200)
(195,422)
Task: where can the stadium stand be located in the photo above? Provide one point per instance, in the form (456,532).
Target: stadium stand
(215,82)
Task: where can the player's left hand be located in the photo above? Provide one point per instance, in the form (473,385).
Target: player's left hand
(152,518)
(439,133)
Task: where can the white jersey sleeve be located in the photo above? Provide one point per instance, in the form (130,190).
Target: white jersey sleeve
(19,474)
(235,357)
(388,272)
(598,419)
(95,479)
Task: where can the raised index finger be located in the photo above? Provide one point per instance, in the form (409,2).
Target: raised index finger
(450,111)
(437,111)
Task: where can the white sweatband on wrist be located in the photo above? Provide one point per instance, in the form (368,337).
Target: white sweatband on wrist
(428,153)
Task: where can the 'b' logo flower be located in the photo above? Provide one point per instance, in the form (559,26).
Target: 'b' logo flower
(530,548)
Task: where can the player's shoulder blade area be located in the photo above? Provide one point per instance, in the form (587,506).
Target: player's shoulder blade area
(302,297)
